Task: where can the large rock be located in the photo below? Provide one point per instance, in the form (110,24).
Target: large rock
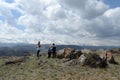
(69,53)
(110,58)
(115,50)
(15,61)
(75,55)
(94,60)
(64,53)
(82,58)
(60,54)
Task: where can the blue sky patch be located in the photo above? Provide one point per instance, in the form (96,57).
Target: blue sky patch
(9,1)
(2,19)
(16,13)
(21,27)
(112,3)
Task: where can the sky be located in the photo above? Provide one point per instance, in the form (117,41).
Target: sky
(78,22)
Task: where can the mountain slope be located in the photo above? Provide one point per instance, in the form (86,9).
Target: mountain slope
(55,69)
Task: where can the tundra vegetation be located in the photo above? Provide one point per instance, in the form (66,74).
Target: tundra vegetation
(31,68)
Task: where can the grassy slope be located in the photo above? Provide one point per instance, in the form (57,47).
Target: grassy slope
(55,69)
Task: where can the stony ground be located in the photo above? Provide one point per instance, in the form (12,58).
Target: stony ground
(56,69)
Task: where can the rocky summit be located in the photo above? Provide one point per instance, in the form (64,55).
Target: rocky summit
(29,67)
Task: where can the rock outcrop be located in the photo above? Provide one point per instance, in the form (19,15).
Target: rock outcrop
(94,60)
(15,61)
(69,53)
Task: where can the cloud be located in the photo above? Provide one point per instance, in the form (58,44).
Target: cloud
(107,25)
(84,22)
(55,12)
(86,8)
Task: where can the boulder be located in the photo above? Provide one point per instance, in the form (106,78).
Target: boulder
(60,54)
(75,55)
(14,61)
(115,50)
(110,58)
(94,60)
(82,58)
(64,53)
(69,53)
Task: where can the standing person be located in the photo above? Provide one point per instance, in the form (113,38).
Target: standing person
(38,49)
(53,50)
(49,51)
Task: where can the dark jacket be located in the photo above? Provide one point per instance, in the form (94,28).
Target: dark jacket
(54,49)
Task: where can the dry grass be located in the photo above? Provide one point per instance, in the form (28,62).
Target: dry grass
(55,69)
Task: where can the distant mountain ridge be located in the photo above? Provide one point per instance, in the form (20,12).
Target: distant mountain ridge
(21,49)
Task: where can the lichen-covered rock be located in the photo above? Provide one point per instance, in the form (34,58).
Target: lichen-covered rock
(115,51)
(60,54)
(75,55)
(15,61)
(69,53)
(110,58)
(94,60)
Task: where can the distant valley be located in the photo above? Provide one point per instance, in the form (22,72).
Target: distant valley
(20,49)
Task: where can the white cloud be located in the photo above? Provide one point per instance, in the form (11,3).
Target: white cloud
(89,22)
(86,8)
(107,25)
(55,12)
